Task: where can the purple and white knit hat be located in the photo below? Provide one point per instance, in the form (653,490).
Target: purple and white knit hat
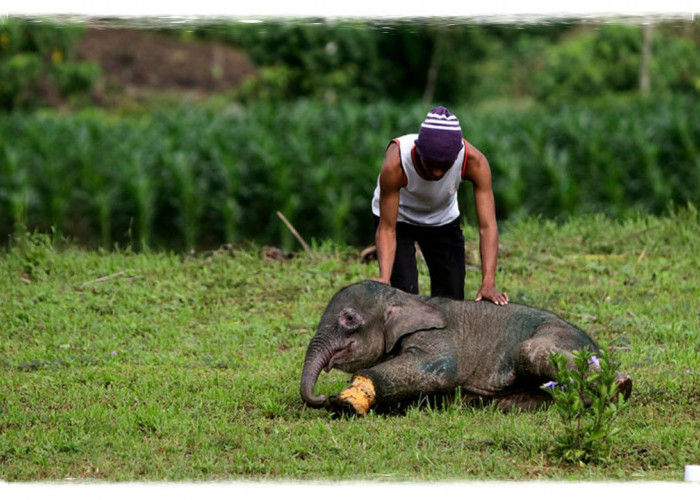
(440,136)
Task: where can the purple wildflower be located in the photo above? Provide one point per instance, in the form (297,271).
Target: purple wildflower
(595,361)
(550,385)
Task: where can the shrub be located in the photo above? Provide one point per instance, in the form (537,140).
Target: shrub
(586,398)
(37,63)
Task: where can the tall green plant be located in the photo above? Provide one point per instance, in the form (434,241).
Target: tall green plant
(191,177)
(587,399)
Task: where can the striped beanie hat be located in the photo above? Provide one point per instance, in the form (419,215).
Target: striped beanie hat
(440,136)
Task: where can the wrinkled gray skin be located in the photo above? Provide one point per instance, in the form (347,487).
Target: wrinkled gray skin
(410,345)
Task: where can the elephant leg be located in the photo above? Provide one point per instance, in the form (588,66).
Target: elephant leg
(532,360)
(526,401)
(404,377)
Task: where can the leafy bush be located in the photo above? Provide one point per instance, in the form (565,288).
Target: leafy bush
(20,77)
(37,62)
(76,78)
(384,59)
(35,253)
(606,60)
(676,66)
(586,398)
(554,62)
(319,59)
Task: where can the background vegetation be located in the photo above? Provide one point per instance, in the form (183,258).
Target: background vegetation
(190,177)
(558,108)
(38,65)
(454,62)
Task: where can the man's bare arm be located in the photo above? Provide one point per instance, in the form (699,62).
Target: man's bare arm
(479,173)
(391,179)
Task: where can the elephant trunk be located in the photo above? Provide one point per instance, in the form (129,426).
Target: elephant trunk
(318,356)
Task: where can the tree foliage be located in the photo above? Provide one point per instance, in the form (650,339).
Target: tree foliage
(605,60)
(368,60)
(37,63)
(550,62)
(449,61)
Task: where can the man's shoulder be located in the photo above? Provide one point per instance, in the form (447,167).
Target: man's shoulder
(407,137)
(404,144)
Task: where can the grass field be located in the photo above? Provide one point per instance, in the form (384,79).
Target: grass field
(158,366)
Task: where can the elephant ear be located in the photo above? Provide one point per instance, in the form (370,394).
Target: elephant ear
(408,317)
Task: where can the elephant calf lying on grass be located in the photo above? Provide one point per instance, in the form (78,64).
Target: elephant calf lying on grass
(401,346)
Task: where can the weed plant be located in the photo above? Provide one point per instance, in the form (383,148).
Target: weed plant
(587,399)
(150,366)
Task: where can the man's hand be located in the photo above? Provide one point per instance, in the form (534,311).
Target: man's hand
(490,293)
(380,280)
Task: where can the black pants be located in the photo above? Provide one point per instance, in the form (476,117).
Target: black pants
(443,250)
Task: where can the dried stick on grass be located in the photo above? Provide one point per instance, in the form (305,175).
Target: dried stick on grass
(294,232)
(102,279)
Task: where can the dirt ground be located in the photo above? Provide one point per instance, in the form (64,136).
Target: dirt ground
(137,60)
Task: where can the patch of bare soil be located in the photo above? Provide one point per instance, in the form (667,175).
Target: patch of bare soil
(133,60)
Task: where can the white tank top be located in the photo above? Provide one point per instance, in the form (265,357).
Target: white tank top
(425,202)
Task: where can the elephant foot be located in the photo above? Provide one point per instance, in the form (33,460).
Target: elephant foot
(624,386)
(524,401)
(357,399)
(338,407)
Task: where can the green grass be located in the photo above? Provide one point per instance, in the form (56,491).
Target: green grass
(187,366)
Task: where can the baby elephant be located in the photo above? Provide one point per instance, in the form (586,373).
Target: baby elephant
(401,346)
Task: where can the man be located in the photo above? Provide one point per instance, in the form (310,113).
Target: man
(416,202)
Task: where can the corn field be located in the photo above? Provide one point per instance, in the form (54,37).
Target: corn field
(195,177)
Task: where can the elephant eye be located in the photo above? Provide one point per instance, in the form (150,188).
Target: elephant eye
(350,319)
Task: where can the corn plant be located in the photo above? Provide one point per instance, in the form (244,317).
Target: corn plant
(190,176)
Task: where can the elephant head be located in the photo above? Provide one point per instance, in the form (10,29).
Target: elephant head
(361,325)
